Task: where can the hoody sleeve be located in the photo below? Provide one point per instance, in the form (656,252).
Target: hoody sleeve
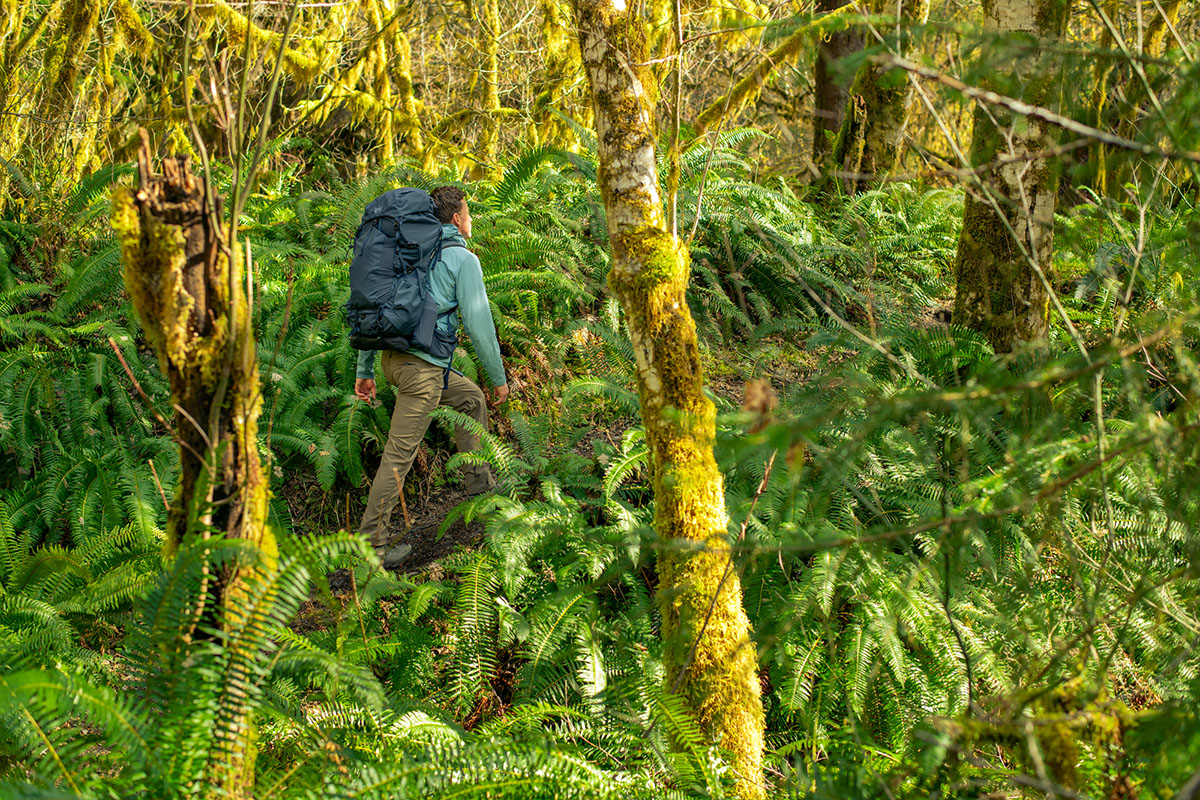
(477,317)
(365,370)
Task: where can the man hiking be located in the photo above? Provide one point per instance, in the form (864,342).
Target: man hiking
(423,381)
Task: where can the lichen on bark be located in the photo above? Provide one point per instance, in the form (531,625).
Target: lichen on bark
(710,658)
(867,147)
(1000,292)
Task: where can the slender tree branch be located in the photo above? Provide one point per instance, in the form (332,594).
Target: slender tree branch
(1035,112)
(748,87)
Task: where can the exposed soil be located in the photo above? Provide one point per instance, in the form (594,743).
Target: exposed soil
(421,532)
(608,430)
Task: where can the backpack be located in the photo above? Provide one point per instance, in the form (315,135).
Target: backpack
(397,244)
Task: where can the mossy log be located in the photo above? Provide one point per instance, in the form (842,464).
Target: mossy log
(710,658)
(1002,279)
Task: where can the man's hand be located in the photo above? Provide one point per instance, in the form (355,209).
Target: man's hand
(364,389)
(498,394)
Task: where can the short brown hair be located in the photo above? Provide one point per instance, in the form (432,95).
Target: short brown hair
(447,201)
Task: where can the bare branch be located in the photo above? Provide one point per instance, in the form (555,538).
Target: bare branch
(1034,112)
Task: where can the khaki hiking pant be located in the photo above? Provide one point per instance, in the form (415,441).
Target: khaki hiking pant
(418,391)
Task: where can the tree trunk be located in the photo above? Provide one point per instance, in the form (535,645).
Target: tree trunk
(15,41)
(831,90)
(713,666)
(381,87)
(189,290)
(64,55)
(1002,280)
(876,113)
(489,76)
(561,58)
(409,127)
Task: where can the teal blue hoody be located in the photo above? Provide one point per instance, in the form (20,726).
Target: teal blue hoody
(456,282)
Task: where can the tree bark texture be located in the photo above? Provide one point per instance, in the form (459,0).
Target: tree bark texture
(876,113)
(649,276)
(188,288)
(1000,292)
(489,76)
(830,89)
(190,296)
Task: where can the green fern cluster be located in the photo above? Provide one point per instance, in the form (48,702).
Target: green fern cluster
(875,616)
(942,541)
(87,455)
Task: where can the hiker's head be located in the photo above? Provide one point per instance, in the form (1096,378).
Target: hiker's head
(450,203)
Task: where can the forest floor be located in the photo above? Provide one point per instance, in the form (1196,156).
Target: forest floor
(423,528)
(422,532)
(432,501)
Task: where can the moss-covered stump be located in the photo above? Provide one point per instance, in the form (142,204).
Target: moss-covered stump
(1005,249)
(710,658)
(186,283)
(189,291)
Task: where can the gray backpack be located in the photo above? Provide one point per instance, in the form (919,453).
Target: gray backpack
(396,245)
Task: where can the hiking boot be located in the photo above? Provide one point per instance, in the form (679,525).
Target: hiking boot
(392,556)
(477,490)
(478,480)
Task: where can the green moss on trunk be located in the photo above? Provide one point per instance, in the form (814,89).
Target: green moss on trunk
(830,92)
(867,148)
(1000,292)
(713,666)
(188,289)
(489,76)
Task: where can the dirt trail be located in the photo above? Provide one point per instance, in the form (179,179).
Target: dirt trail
(423,531)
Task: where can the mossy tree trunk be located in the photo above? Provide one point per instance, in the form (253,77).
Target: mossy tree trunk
(830,88)
(868,143)
(392,86)
(713,666)
(186,282)
(409,127)
(64,57)
(381,87)
(15,41)
(1002,279)
(489,78)
(562,65)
